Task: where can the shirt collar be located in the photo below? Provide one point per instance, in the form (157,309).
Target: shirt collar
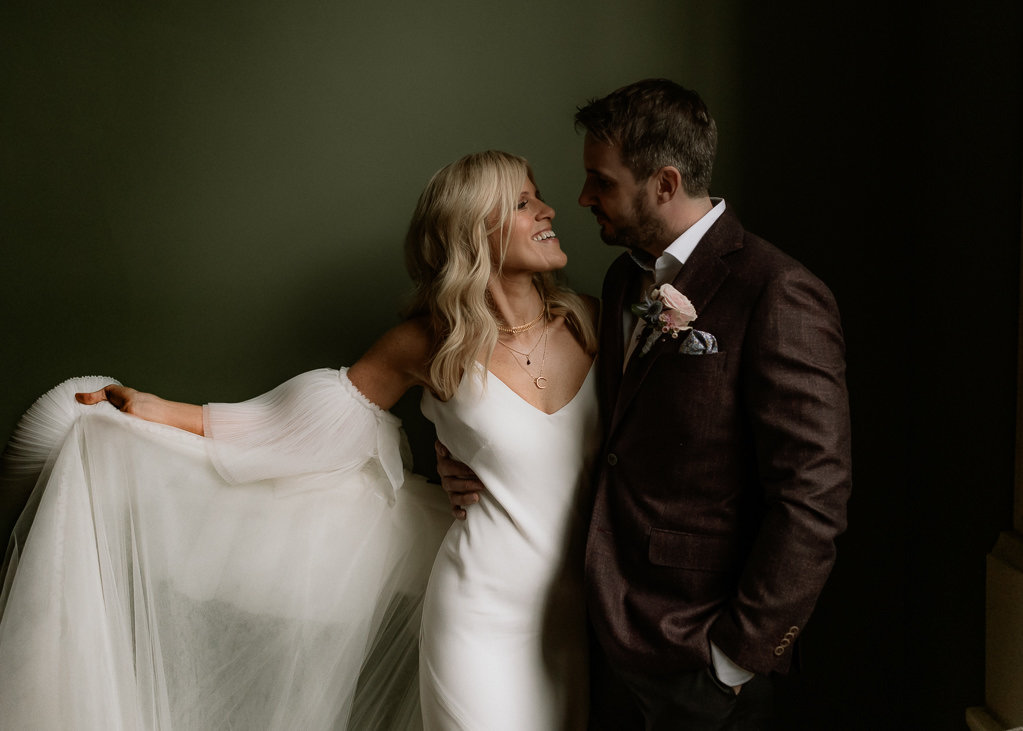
(667,266)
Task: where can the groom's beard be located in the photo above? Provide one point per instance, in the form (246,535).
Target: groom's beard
(641,231)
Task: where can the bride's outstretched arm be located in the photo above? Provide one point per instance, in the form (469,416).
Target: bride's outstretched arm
(147,406)
(395,363)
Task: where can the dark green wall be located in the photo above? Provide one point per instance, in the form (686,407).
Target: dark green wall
(203,199)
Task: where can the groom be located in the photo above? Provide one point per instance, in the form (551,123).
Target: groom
(725,468)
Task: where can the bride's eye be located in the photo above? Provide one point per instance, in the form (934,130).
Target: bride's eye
(522,204)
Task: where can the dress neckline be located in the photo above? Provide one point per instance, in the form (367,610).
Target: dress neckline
(589,373)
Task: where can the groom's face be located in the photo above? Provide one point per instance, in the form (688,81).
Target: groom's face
(622,205)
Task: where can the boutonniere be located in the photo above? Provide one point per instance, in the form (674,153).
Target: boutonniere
(666,311)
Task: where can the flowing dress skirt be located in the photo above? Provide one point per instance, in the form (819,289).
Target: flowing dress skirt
(268,578)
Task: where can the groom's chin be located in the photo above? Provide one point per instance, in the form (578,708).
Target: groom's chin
(608,237)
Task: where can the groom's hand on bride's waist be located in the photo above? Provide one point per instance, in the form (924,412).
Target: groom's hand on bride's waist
(459,482)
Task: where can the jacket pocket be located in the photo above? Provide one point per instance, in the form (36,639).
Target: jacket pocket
(692,551)
(706,363)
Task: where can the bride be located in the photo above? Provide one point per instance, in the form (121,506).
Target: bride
(272,565)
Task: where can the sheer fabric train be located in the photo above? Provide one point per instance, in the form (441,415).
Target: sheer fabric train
(269,578)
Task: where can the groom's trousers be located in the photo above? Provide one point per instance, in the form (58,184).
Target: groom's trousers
(691,701)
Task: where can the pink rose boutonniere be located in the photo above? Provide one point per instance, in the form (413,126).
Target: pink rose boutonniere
(666,311)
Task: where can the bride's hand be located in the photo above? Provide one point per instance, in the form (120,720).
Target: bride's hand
(121,398)
(147,406)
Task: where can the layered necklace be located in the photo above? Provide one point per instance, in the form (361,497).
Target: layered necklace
(519,329)
(539,380)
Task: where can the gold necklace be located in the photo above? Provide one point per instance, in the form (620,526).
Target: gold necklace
(528,355)
(540,381)
(518,329)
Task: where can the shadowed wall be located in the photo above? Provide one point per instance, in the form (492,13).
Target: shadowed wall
(202,200)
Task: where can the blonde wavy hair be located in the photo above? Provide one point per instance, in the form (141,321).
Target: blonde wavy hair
(448,256)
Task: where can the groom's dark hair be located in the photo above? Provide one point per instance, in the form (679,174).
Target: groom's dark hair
(655,123)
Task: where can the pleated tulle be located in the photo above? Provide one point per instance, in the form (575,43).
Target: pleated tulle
(160,580)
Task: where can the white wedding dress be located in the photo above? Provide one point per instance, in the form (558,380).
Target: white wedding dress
(272,576)
(504,630)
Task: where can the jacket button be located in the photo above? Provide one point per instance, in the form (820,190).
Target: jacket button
(779,651)
(612,458)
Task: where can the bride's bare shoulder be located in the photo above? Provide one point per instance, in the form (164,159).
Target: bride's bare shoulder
(396,362)
(414,339)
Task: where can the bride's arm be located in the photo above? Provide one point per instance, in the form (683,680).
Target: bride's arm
(147,406)
(395,363)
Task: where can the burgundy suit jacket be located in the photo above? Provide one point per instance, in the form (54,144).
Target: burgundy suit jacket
(723,479)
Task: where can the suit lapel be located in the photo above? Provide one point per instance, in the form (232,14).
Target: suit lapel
(617,284)
(699,280)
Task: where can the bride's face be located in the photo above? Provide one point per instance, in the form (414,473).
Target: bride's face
(532,244)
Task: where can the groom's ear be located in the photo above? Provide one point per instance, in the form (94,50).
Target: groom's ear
(668,183)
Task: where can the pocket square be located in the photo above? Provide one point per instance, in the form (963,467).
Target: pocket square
(699,343)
